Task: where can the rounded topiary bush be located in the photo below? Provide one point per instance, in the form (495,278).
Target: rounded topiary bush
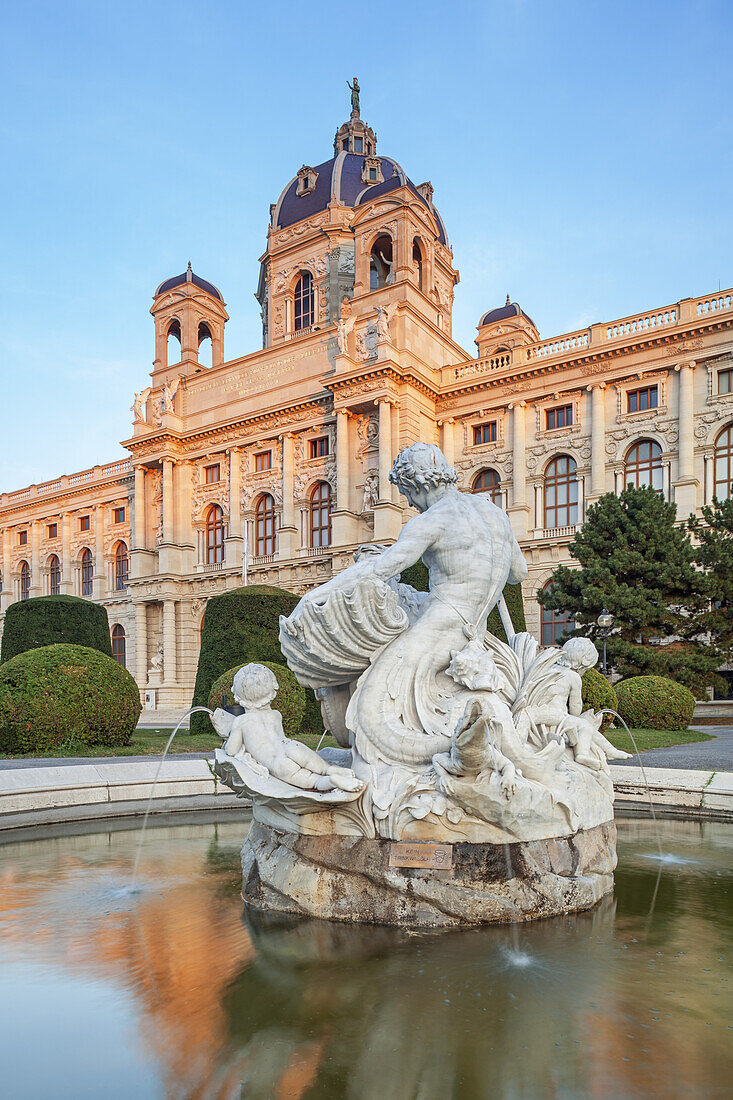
(239,626)
(598,694)
(654,702)
(290,698)
(54,620)
(62,693)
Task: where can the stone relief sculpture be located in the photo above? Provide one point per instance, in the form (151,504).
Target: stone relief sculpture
(344,326)
(454,736)
(371,490)
(384,316)
(170,389)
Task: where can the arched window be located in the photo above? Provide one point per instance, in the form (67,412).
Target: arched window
(214,535)
(488,481)
(87,570)
(122,567)
(265,526)
(118,644)
(25,580)
(320,514)
(418,262)
(644,465)
(561,492)
(206,345)
(304,301)
(380,263)
(54,575)
(173,342)
(724,464)
(555,624)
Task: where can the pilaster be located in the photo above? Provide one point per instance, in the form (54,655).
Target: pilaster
(288,534)
(685,487)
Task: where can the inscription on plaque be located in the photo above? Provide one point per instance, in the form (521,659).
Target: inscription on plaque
(437,856)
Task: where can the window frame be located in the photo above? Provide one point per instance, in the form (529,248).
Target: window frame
(24,580)
(117,633)
(565,497)
(52,530)
(727,373)
(118,515)
(493,489)
(209,478)
(320,507)
(86,569)
(54,575)
(480,429)
(554,625)
(259,469)
(553,412)
(214,535)
(314,447)
(85,523)
(637,466)
(723,454)
(636,394)
(303,302)
(22,538)
(265,526)
(121,571)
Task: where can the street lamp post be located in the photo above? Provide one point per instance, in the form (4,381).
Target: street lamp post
(605,622)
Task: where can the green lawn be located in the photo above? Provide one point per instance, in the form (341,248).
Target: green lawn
(151,742)
(655,739)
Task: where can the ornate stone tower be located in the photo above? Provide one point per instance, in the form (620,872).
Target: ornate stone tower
(191,310)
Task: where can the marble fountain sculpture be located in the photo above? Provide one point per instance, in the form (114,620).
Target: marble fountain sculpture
(469,785)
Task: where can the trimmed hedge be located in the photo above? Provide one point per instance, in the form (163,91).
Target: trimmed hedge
(655,703)
(598,694)
(417,575)
(243,625)
(54,620)
(290,699)
(59,693)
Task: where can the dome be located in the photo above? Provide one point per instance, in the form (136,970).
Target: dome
(341,178)
(188,276)
(504,313)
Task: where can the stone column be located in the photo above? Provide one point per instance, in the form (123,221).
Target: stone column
(235,492)
(448,440)
(99,580)
(169,642)
(6,594)
(141,645)
(598,440)
(138,534)
(519,455)
(686,419)
(288,533)
(539,518)
(395,449)
(581,498)
(709,478)
(343,464)
(168,524)
(36,586)
(66,586)
(385,449)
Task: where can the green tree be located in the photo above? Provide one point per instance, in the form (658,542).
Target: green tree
(636,563)
(714,553)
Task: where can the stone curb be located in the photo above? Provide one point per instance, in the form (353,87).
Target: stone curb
(695,793)
(35,795)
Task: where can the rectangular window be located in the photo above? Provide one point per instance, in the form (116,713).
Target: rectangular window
(263,461)
(484,433)
(84,523)
(53,530)
(358,145)
(213,474)
(372,173)
(119,515)
(317,448)
(725,378)
(560,417)
(22,538)
(643,399)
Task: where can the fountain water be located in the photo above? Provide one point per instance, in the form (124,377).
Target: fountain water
(169,742)
(662,856)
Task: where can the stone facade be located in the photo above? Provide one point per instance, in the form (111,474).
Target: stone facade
(356,291)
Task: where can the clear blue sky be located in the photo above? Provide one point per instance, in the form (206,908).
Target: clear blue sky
(580,154)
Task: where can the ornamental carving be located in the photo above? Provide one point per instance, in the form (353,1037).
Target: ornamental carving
(682,349)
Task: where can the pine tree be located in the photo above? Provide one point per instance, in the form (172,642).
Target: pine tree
(635,563)
(714,553)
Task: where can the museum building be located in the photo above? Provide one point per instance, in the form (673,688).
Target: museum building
(273,467)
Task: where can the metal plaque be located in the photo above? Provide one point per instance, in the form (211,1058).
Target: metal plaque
(403,853)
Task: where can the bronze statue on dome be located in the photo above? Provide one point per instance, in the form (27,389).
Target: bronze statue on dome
(354,96)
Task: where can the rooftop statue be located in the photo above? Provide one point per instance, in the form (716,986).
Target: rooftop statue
(354,96)
(447,733)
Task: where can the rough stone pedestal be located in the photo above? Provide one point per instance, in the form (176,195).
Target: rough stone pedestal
(350,878)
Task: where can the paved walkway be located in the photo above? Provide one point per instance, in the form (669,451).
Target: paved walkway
(716,755)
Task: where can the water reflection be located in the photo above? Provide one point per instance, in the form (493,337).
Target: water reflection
(179,993)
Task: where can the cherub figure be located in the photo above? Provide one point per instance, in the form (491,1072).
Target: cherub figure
(259,733)
(560,706)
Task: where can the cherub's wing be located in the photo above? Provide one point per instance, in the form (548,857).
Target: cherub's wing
(145,394)
(349,324)
(174,387)
(391,310)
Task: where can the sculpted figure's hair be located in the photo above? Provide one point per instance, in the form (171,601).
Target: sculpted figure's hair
(423,465)
(578,653)
(254,685)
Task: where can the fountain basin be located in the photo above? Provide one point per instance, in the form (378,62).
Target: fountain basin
(359,879)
